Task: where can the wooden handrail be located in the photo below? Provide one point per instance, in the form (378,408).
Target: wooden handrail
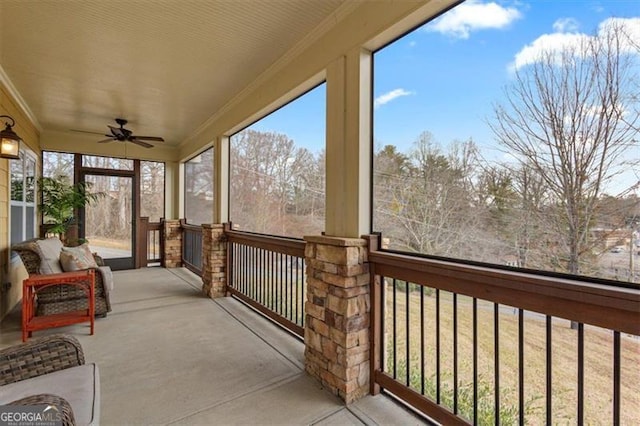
(607,306)
(273,243)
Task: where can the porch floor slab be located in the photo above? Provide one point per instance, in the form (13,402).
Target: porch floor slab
(169,355)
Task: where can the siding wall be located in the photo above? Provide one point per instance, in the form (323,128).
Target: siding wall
(12,272)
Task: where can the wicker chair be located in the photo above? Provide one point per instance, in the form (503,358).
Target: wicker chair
(40,357)
(63,298)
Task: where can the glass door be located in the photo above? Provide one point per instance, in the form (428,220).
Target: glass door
(108,223)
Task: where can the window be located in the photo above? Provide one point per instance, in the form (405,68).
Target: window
(107,162)
(513,141)
(57,164)
(23,198)
(277,167)
(152,190)
(198,188)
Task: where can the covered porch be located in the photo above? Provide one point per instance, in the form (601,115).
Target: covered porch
(169,355)
(462,339)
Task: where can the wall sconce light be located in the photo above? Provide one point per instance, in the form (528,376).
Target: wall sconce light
(9,141)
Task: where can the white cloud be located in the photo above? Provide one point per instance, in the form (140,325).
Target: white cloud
(630,26)
(389,96)
(474,15)
(546,43)
(565,25)
(560,41)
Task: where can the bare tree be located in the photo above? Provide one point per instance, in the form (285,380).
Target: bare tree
(571,116)
(152,190)
(269,177)
(198,198)
(425,199)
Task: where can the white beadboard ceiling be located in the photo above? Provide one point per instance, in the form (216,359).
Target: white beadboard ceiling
(165,65)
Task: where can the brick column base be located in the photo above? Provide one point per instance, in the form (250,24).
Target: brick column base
(337,315)
(172,244)
(214,260)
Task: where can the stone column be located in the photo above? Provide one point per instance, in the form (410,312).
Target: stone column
(214,260)
(172,244)
(337,315)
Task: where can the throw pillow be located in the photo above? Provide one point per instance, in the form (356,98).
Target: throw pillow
(77,258)
(49,251)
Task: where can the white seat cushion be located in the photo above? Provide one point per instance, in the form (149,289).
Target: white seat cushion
(80,386)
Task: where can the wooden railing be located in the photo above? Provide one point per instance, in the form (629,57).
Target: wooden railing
(150,243)
(473,344)
(268,273)
(191,247)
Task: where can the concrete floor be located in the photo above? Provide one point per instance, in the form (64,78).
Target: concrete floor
(168,355)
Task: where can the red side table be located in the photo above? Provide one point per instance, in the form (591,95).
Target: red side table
(35,283)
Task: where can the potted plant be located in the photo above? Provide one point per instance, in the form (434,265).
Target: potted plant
(60,203)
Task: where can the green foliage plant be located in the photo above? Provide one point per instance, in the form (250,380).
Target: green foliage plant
(60,201)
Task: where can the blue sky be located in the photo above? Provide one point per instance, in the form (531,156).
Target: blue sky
(444,76)
(447,74)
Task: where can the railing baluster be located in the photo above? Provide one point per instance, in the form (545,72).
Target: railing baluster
(250,272)
(580,373)
(232,280)
(438,346)
(395,327)
(616,378)
(246,279)
(549,384)
(496,361)
(455,352)
(422,340)
(274,288)
(302,291)
(287,287)
(475,361)
(280,280)
(294,290)
(265,275)
(521,366)
(262,277)
(407,334)
(273,269)
(238,275)
(383,323)
(249,263)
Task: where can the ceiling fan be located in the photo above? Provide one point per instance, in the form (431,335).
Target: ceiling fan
(121,134)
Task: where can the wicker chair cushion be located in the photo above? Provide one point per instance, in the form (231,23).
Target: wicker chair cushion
(80,386)
(77,258)
(49,250)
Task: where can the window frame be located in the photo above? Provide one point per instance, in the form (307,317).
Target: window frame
(25,157)
(307,89)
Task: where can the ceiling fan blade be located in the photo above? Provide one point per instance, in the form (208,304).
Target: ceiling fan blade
(143,144)
(109,139)
(147,138)
(85,131)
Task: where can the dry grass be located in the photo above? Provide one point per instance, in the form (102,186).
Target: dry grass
(598,360)
(121,244)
